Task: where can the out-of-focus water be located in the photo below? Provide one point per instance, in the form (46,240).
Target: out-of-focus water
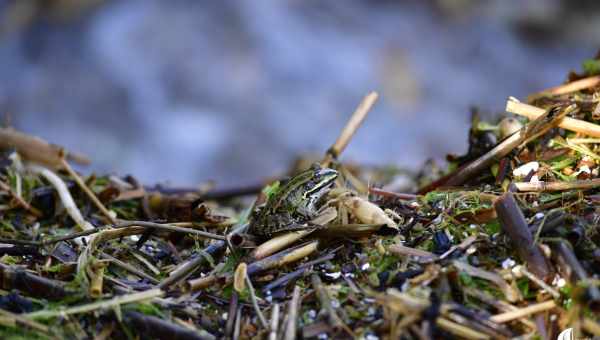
(186,91)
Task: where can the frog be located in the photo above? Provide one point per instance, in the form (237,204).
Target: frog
(294,203)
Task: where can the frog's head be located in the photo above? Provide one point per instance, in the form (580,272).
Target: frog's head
(321,180)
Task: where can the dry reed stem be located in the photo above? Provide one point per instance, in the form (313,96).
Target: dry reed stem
(572,124)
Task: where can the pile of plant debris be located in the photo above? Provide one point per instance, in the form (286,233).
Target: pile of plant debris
(504,244)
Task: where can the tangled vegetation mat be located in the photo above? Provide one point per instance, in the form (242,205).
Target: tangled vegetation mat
(504,243)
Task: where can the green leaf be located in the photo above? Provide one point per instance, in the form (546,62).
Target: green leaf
(591,67)
(465,279)
(271,189)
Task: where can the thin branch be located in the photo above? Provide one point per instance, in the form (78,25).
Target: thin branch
(385,193)
(88,191)
(282,258)
(20,320)
(99,305)
(292,321)
(539,282)
(558,186)
(20,200)
(232,314)
(274,322)
(523,312)
(169,227)
(63,193)
(355,121)
(460,330)
(190,266)
(129,268)
(259,313)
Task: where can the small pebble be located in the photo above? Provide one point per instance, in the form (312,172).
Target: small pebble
(334,276)
(525,169)
(508,263)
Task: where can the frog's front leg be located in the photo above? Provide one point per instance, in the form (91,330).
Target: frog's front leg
(278,224)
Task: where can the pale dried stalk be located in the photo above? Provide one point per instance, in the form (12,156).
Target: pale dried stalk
(274,322)
(591,326)
(104,304)
(97,278)
(129,268)
(274,261)
(573,86)
(555,294)
(201,283)
(36,149)
(279,242)
(299,253)
(239,277)
(63,193)
(460,330)
(558,186)
(259,313)
(402,250)
(511,294)
(567,123)
(88,191)
(169,227)
(146,263)
(325,300)
(402,303)
(355,120)
(523,312)
(16,319)
(292,321)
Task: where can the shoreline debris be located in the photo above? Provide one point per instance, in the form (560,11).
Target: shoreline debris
(505,243)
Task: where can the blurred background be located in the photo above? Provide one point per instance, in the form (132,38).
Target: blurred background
(185,91)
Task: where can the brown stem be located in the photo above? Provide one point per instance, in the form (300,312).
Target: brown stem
(529,132)
(514,224)
(351,126)
(87,191)
(31,284)
(20,200)
(558,186)
(189,267)
(156,328)
(168,227)
(574,272)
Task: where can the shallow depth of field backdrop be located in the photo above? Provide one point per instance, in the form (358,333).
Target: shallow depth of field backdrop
(185,91)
